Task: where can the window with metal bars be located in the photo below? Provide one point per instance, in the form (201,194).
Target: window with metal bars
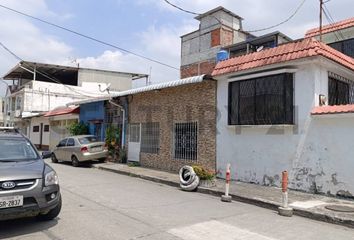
(262,101)
(338,92)
(346,47)
(186,141)
(150,137)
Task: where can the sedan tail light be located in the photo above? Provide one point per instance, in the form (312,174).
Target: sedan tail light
(84,149)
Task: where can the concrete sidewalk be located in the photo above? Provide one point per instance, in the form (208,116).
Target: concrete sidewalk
(304,204)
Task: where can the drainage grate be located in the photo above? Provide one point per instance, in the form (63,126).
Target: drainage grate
(340,208)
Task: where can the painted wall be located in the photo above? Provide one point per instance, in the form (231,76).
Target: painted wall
(91,112)
(59,128)
(92,78)
(35,136)
(259,154)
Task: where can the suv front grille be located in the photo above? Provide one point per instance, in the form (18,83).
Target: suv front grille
(19,185)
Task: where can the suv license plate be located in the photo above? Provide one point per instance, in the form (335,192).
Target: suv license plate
(11,201)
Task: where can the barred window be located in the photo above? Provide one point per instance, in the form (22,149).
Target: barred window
(46,128)
(338,92)
(134,133)
(35,129)
(150,137)
(186,140)
(262,101)
(346,47)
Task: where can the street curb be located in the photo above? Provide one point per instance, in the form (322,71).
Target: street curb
(254,201)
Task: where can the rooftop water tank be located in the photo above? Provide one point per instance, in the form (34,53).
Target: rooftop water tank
(222,55)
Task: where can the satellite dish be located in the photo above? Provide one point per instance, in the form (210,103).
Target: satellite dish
(106,88)
(260,48)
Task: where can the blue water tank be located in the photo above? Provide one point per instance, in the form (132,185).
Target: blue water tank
(222,55)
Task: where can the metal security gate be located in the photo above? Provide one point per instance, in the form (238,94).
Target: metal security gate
(134,142)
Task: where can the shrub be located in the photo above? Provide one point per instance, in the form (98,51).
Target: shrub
(204,174)
(78,129)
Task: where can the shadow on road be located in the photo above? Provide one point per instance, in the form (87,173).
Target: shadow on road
(20,227)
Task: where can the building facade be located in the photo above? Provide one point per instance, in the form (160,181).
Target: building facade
(278,117)
(218,27)
(174,126)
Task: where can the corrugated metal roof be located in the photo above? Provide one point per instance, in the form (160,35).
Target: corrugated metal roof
(185,81)
(190,80)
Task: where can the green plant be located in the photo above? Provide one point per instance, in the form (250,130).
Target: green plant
(133,164)
(111,140)
(203,174)
(78,129)
(122,155)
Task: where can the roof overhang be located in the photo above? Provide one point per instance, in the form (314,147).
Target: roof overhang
(159,86)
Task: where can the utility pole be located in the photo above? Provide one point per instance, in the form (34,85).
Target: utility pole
(321,12)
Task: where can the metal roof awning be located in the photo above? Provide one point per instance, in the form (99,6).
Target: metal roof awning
(62,111)
(25,69)
(159,86)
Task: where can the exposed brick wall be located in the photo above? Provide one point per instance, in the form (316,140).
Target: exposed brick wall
(227,37)
(196,69)
(187,103)
(215,38)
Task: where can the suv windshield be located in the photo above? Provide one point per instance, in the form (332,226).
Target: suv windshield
(16,150)
(87,140)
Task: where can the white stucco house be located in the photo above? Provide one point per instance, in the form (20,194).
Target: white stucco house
(288,108)
(38,88)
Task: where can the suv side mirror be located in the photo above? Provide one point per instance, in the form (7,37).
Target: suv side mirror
(46,154)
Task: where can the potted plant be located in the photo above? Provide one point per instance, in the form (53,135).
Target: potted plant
(207,177)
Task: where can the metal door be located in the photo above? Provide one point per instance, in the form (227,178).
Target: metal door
(134,142)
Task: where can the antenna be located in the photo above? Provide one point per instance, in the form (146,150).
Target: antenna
(321,11)
(260,48)
(107,88)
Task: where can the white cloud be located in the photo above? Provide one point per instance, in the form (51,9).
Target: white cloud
(160,43)
(261,14)
(25,39)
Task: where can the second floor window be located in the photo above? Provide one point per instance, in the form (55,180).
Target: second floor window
(262,101)
(338,92)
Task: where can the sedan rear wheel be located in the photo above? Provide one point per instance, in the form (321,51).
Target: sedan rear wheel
(54,158)
(75,162)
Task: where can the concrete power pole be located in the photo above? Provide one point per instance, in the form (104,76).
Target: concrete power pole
(321,13)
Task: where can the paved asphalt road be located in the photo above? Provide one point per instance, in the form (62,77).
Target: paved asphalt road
(102,205)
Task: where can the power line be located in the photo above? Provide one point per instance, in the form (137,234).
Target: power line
(179,8)
(250,31)
(89,37)
(43,74)
(332,21)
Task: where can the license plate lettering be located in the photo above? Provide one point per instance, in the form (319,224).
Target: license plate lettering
(10,202)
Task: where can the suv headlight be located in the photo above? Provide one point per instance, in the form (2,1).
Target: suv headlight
(51,178)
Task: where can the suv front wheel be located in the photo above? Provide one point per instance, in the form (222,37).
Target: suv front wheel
(51,214)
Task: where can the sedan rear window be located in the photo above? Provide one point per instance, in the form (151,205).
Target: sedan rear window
(16,150)
(88,140)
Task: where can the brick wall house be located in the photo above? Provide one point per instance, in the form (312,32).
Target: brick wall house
(173,126)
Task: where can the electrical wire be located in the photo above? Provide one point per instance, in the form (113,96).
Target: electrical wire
(331,20)
(89,37)
(249,31)
(47,76)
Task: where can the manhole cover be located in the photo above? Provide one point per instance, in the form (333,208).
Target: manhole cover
(340,208)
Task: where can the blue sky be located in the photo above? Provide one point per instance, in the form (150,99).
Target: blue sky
(148,27)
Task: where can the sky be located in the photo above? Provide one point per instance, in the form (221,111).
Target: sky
(147,27)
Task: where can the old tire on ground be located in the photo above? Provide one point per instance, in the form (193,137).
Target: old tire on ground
(75,162)
(54,158)
(189,180)
(186,175)
(191,187)
(51,214)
